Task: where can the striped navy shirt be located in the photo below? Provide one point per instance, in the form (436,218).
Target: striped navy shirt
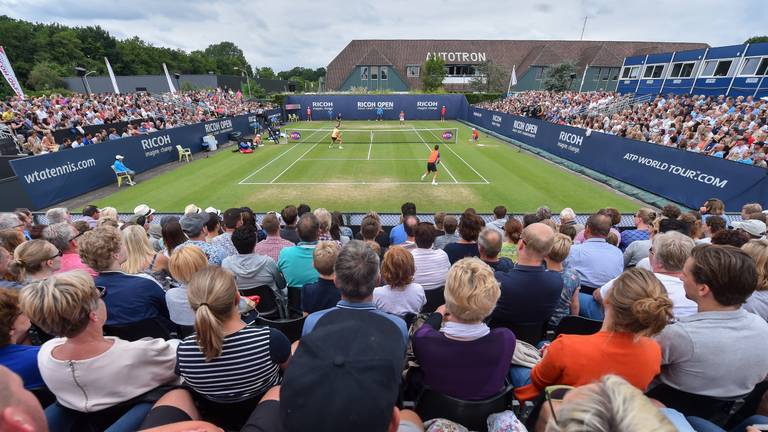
(247,367)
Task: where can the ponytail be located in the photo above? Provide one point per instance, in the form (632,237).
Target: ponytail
(640,303)
(213,296)
(210,332)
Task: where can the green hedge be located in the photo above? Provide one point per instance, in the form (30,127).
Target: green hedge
(474,98)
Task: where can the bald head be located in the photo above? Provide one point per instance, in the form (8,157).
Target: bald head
(598,226)
(19,409)
(537,240)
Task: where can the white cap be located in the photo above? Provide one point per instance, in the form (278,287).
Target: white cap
(143,210)
(213,210)
(119,157)
(192,209)
(753,227)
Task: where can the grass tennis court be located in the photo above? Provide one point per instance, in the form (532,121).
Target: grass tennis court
(378,168)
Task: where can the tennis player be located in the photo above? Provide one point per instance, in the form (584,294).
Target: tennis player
(475,136)
(336,137)
(432,161)
(402,117)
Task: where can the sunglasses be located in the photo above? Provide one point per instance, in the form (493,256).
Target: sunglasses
(59,254)
(555,393)
(77,235)
(102,291)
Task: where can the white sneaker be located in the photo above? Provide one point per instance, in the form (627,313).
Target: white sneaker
(341,148)
(422,177)
(434,183)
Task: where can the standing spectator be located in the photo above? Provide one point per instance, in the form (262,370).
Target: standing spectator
(356,273)
(64,236)
(322,294)
(512,231)
(529,293)
(757,303)
(470,226)
(595,260)
(274,243)
(288,232)
(643,220)
(431,265)
(489,246)
(458,353)
(232,220)
(295,262)
(400,295)
(131,298)
(712,207)
(184,263)
(35,260)
(449,225)
(16,350)
(251,269)
(713,353)
(500,213)
(569,297)
(91,215)
(309,113)
(58,215)
(228,364)
(397,235)
(194,226)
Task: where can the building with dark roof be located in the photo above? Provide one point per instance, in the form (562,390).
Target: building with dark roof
(395,65)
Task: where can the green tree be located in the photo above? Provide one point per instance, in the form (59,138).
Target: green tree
(756,39)
(432,73)
(267,73)
(490,77)
(226,56)
(45,76)
(560,77)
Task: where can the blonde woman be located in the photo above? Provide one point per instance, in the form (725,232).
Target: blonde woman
(400,295)
(458,353)
(87,371)
(636,308)
(324,220)
(228,364)
(757,303)
(35,260)
(184,263)
(140,257)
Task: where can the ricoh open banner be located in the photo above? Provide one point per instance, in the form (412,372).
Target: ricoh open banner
(680,176)
(55,177)
(365,107)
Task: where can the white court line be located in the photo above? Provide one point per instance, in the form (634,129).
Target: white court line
(359,159)
(273,159)
(370,146)
(360,183)
(294,162)
(465,162)
(442,163)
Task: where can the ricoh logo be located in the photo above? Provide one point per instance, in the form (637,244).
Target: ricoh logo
(496,120)
(370,105)
(426,104)
(154,142)
(477,114)
(524,128)
(569,141)
(218,127)
(322,105)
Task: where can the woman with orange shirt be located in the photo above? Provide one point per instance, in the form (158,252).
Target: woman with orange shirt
(639,309)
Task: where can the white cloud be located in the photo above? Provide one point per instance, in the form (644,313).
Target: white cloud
(311,33)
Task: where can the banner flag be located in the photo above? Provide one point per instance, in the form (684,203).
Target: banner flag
(512,81)
(168,77)
(10,76)
(112,76)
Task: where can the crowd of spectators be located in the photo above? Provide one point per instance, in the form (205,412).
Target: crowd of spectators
(144,324)
(33,120)
(720,126)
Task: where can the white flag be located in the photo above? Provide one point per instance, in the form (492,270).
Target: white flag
(112,76)
(168,77)
(10,76)
(512,81)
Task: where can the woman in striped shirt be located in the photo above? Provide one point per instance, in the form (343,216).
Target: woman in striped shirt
(227,364)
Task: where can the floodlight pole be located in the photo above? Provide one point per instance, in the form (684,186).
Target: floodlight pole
(247,80)
(584,27)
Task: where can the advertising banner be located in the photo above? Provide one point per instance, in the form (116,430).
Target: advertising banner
(366,107)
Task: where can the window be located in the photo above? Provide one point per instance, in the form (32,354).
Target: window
(384,72)
(614,74)
(364,73)
(653,71)
(682,70)
(412,71)
(596,76)
(716,68)
(374,72)
(630,72)
(541,72)
(754,66)
(604,73)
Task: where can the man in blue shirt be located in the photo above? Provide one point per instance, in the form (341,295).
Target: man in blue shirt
(295,262)
(595,260)
(120,166)
(398,235)
(356,275)
(194,226)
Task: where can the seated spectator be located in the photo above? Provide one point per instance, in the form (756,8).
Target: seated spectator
(529,293)
(397,234)
(439,219)
(252,270)
(357,273)
(338,219)
(512,231)
(225,362)
(273,244)
(19,409)
(173,236)
(7,280)
(353,356)
(489,246)
(131,298)
(757,303)
(753,227)
(730,237)
(530,219)
(16,350)
(35,260)
(409,224)
(112,370)
(290,216)
(636,308)
(470,226)
(713,353)
(295,262)
(58,215)
(372,234)
(324,222)
(322,294)
(400,295)
(91,215)
(568,218)
(231,220)
(615,218)
(109,213)
(121,168)
(595,260)
(458,353)
(184,263)
(569,297)
(712,225)
(449,225)
(637,252)
(431,265)
(194,226)
(500,213)
(141,258)
(12,238)
(643,220)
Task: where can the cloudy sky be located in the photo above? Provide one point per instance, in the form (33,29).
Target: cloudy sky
(283,34)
